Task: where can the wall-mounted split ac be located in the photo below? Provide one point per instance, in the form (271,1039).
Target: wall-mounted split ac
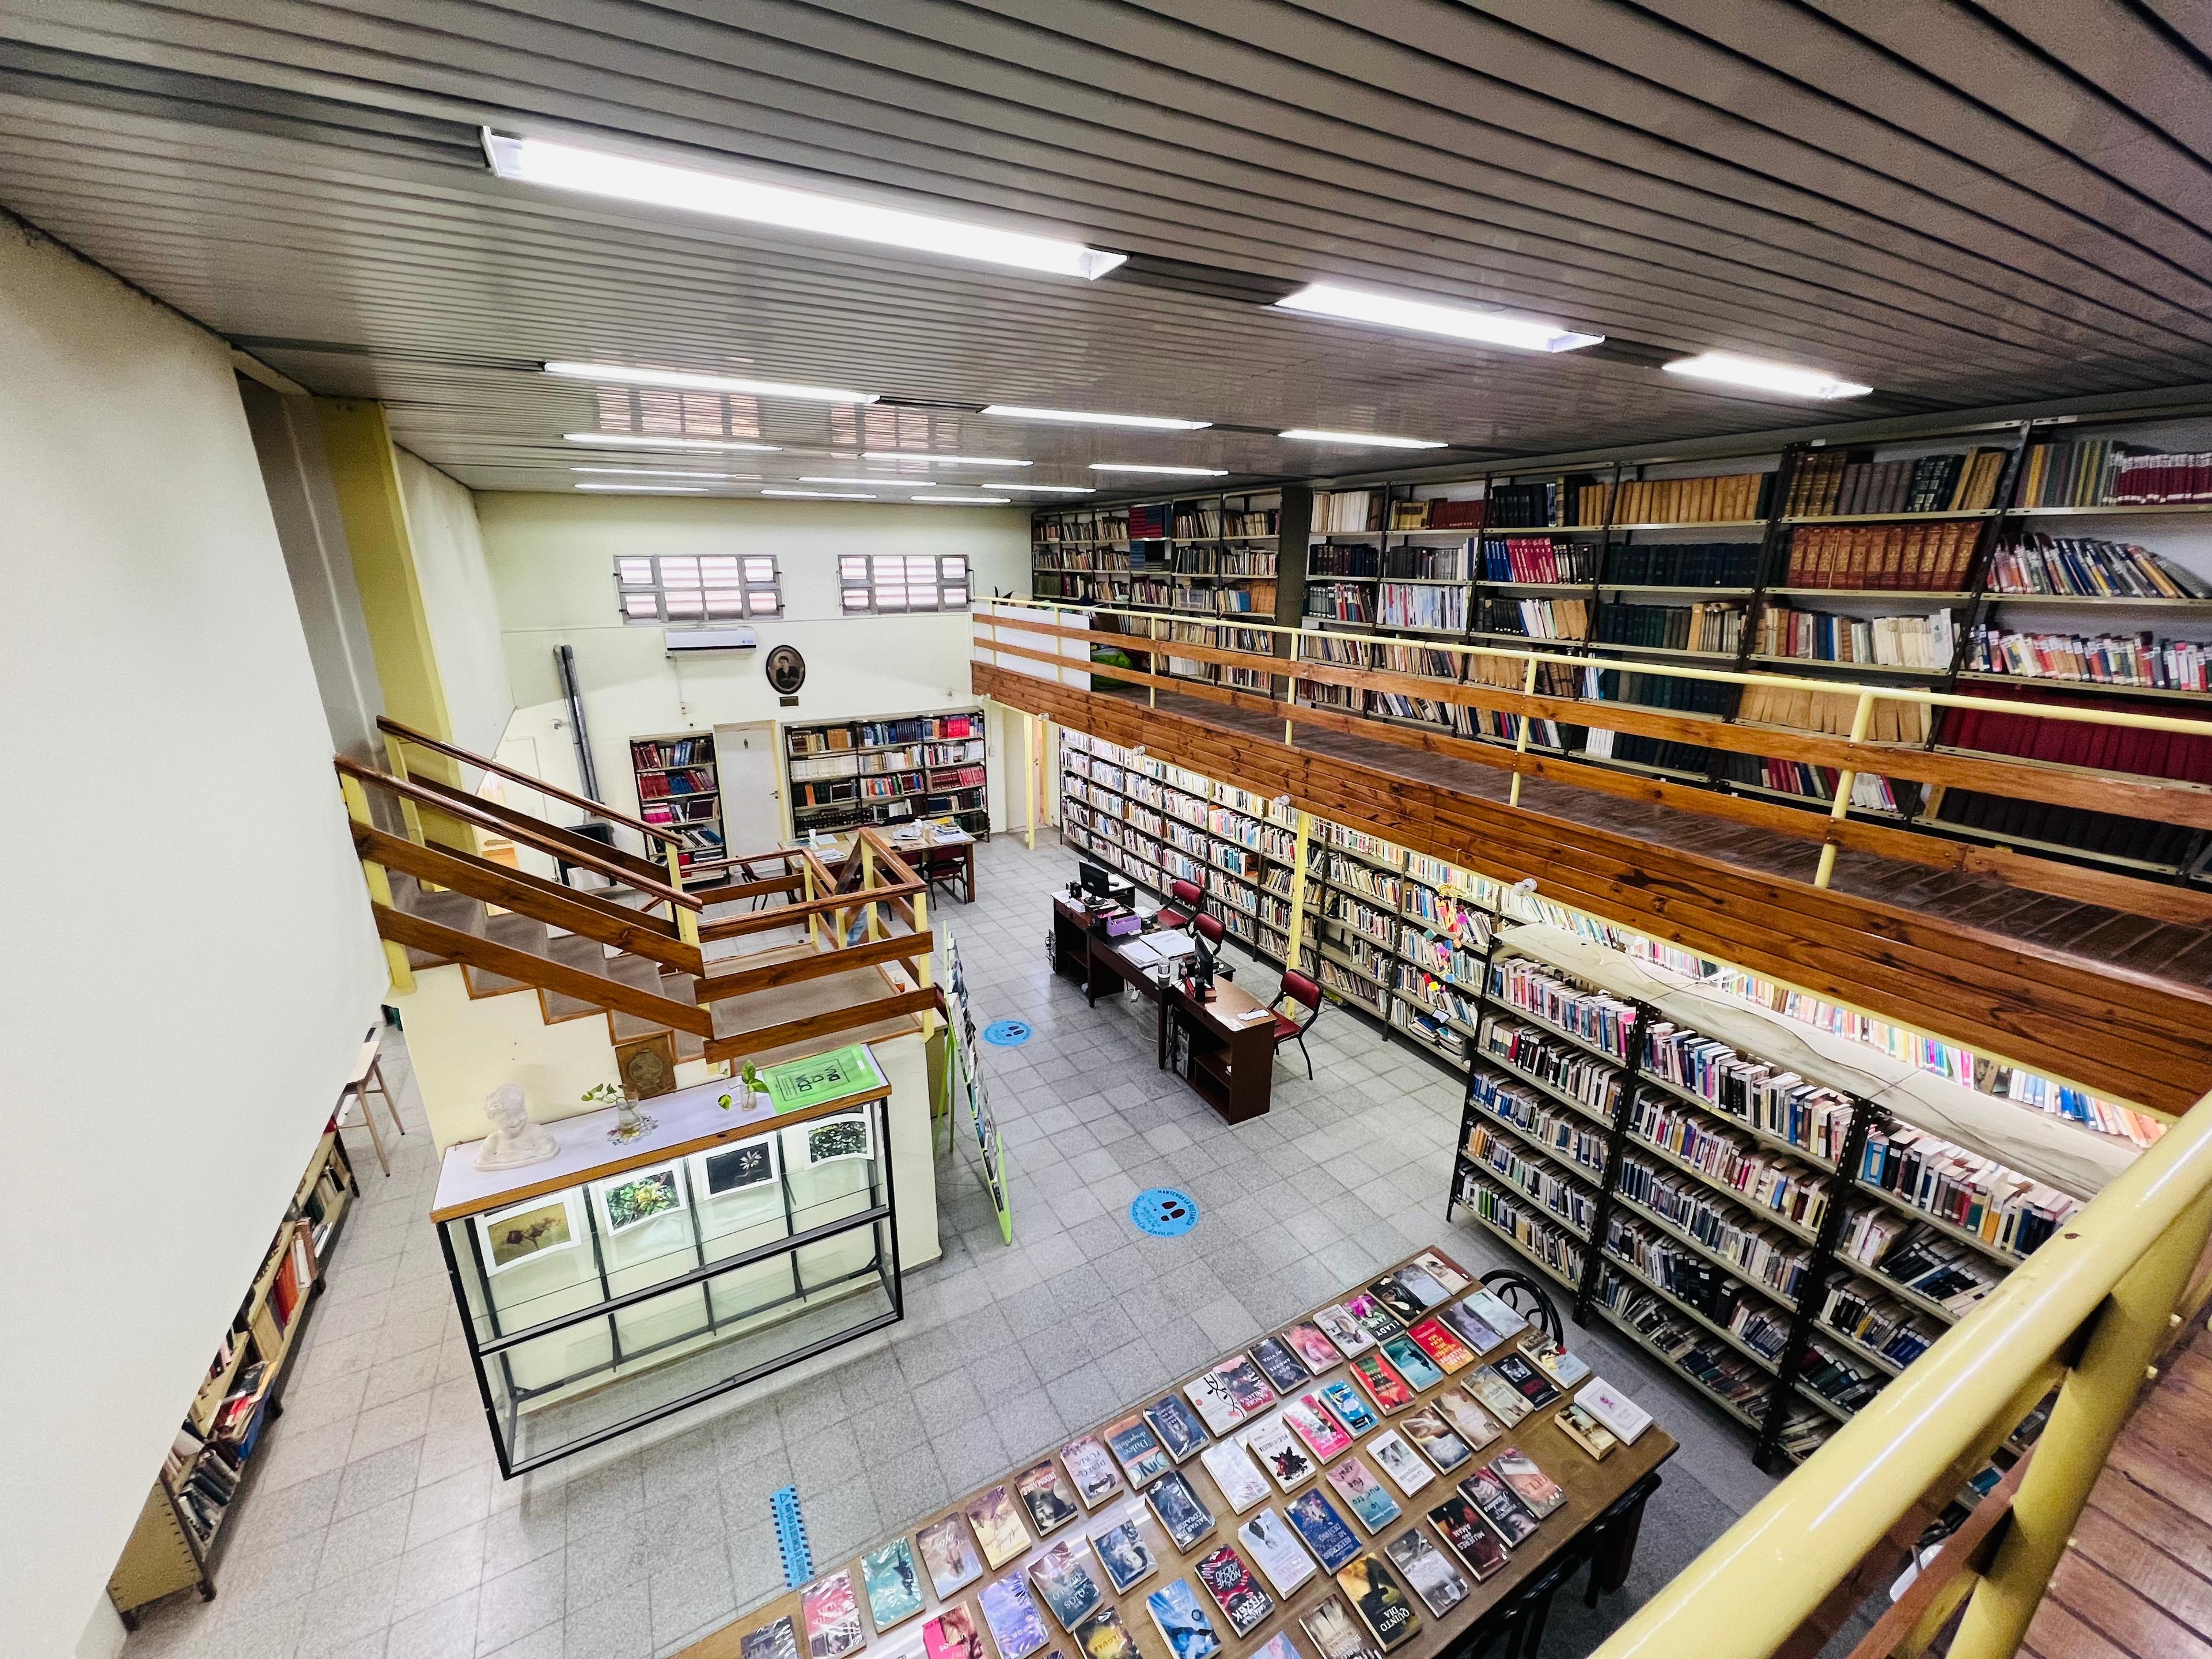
(684,641)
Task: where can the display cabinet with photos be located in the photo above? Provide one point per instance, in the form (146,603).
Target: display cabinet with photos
(618,1283)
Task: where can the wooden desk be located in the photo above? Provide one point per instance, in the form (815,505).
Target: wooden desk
(1223,1048)
(1591,1487)
(838,848)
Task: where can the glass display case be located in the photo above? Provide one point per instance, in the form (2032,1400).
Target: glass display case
(620,1282)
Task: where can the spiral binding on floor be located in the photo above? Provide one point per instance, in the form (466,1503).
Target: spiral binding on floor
(791,1537)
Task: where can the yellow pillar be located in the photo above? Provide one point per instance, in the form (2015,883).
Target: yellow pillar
(1028,779)
(379,890)
(1521,736)
(1845,780)
(1299,854)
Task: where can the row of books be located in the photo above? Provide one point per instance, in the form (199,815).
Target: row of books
(1600,1019)
(1407,605)
(1701,627)
(204,1480)
(1221,562)
(658,786)
(1771,1099)
(1771,1184)
(1535,619)
(1203,523)
(953,754)
(1917,557)
(684,752)
(2007,817)
(1684,564)
(694,809)
(2091,570)
(1655,690)
(1535,559)
(1869,792)
(1151,522)
(1924,642)
(1728,498)
(1343,602)
(295,1276)
(1832,485)
(1778,1262)
(1800,708)
(1346,511)
(2001,1207)
(1343,559)
(2143,660)
(2072,743)
(1525,505)
(1427,562)
(1106,527)
(1117,560)
(1661,753)
(1876,1320)
(1945,1271)
(2102,472)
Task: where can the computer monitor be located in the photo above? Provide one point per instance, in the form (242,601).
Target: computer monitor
(1201,969)
(1096,881)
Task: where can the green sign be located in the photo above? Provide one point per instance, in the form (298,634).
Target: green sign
(809,1082)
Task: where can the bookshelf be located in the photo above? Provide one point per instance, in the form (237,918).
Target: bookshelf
(678,785)
(888,771)
(182,1527)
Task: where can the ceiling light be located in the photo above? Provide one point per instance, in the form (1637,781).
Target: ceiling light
(928,459)
(1178,472)
(1426,317)
(1366,439)
(1766,377)
(684,380)
(963,500)
(647,441)
(647,490)
(821,495)
(601,173)
(659,472)
(1084,417)
(902,483)
(1041,489)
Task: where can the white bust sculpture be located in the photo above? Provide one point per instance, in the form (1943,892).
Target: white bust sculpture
(514,1140)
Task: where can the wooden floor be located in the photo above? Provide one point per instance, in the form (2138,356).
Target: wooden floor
(2137,1584)
(2166,951)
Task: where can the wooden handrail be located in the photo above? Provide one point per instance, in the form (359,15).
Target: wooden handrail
(453,807)
(438,745)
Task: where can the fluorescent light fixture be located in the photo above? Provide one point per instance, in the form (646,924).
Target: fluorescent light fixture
(1176,472)
(696,189)
(1364,440)
(1085,418)
(821,495)
(963,500)
(684,380)
(1766,377)
(902,483)
(1426,317)
(1041,489)
(659,473)
(647,441)
(928,460)
(647,490)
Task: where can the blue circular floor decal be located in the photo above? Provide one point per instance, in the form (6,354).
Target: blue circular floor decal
(1163,1213)
(1006,1033)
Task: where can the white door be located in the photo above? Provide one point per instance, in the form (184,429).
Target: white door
(752,787)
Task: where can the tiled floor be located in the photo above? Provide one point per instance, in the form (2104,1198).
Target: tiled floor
(378,1524)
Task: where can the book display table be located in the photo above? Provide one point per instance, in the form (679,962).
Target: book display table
(1311,1497)
(618,1283)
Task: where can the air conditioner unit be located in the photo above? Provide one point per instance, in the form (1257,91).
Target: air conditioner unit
(686,639)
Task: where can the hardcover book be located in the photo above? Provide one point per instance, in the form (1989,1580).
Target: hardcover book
(894,1584)
(1123,1555)
(1244,1604)
(1310,1421)
(1539,1493)
(1466,1416)
(1345,1406)
(1342,1329)
(1416,1367)
(1429,1571)
(1182,1517)
(1384,1386)
(1138,1452)
(1091,1467)
(1441,1345)
(1046,1494)
(1103,1635)
(949,1556)
(832,1616)
(1182,1622)
(998,1527)
(1497,1396)
(1434,1440)
(1275,1548)
(1315,1519)
(1276,1451)
(950,1635)
(1621,1415)
(1470,1327)
(1313,1346)
(1498,1313)
(1368,1498)
(1334,1633)
(1240,1484)
(1556,1362)
(1585,1430)
(1177,1426)
(1501,1511)
(1017,1627)
(1282,1369)
(1397,1460)
(777,1641)
(1476,1546)
(1404,1306)
(1525,1379)
(1375,1596)
(1373,1316)
(1445,1271)
(1064,1585)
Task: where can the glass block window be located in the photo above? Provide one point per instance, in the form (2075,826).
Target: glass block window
(698,591)
(884,584)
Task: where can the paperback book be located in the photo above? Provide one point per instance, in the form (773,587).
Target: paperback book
(1046,1494)
(1445,1271)
(1373,1318)
(1137,1451)
(1384,1386)
(1278,1646)
(1434,1440)
(1334,1633)
(1240,1484)
(1429,1571)
(894,1584)
(1539,1493)
(1182,1622)
(777,1641)
(1017,1628)
(1381,1606)
(1315,1520)
(1368,1498)
(1181,1516)
(1525,1379)
(1217,1402)
(1343,1331)
(1064,1585)
(1554,1361)
(1497,1313)
(1402,1304)
(1501,1511)
(1397,1460)
(1497,1396)
(1091,1467)
(1247,1386)
(1310,1421)
(1621,1416)
(1419,1372)
(1244,1604)
(949,1556)
(1282,1368)
(1464,1413)
(1177,1426)
(1103,1635)
(1276,1451)
(950,1635)
(1442,1347)
(1123,1555)
(1585,1430)
(998,1527)
(1345,1406)
(1277,1550)
(1469,1325)
(1474,1543)
(832,1616)
(1313,1346)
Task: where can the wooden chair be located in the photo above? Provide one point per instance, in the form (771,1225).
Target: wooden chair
(1188,894)
(1304,991)
(947,867)
(1608,1543)
(368,1078)
(1518,1292)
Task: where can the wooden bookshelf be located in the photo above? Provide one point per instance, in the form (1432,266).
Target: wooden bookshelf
(889,769)
(679,786)
(178,1540)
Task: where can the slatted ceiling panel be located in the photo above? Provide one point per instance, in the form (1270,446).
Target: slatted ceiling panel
(1962,204)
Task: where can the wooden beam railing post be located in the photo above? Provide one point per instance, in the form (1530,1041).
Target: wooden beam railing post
(1299,853)
(1520,739)
(380,885)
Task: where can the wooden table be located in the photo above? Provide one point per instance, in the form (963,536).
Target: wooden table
(1591,1487)
(837,849)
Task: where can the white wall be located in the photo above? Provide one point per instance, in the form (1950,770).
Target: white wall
(458,602)
(191,962)
(552,561)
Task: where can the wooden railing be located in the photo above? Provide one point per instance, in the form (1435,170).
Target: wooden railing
(396,736)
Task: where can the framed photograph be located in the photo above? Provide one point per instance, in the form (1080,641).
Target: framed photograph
(642,1195)
(647,1065)
(836,1138)
(736,1168)
(512,1236)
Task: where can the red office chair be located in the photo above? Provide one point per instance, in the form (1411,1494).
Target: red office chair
(1210,929)
(1188,894)
(1297,989)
